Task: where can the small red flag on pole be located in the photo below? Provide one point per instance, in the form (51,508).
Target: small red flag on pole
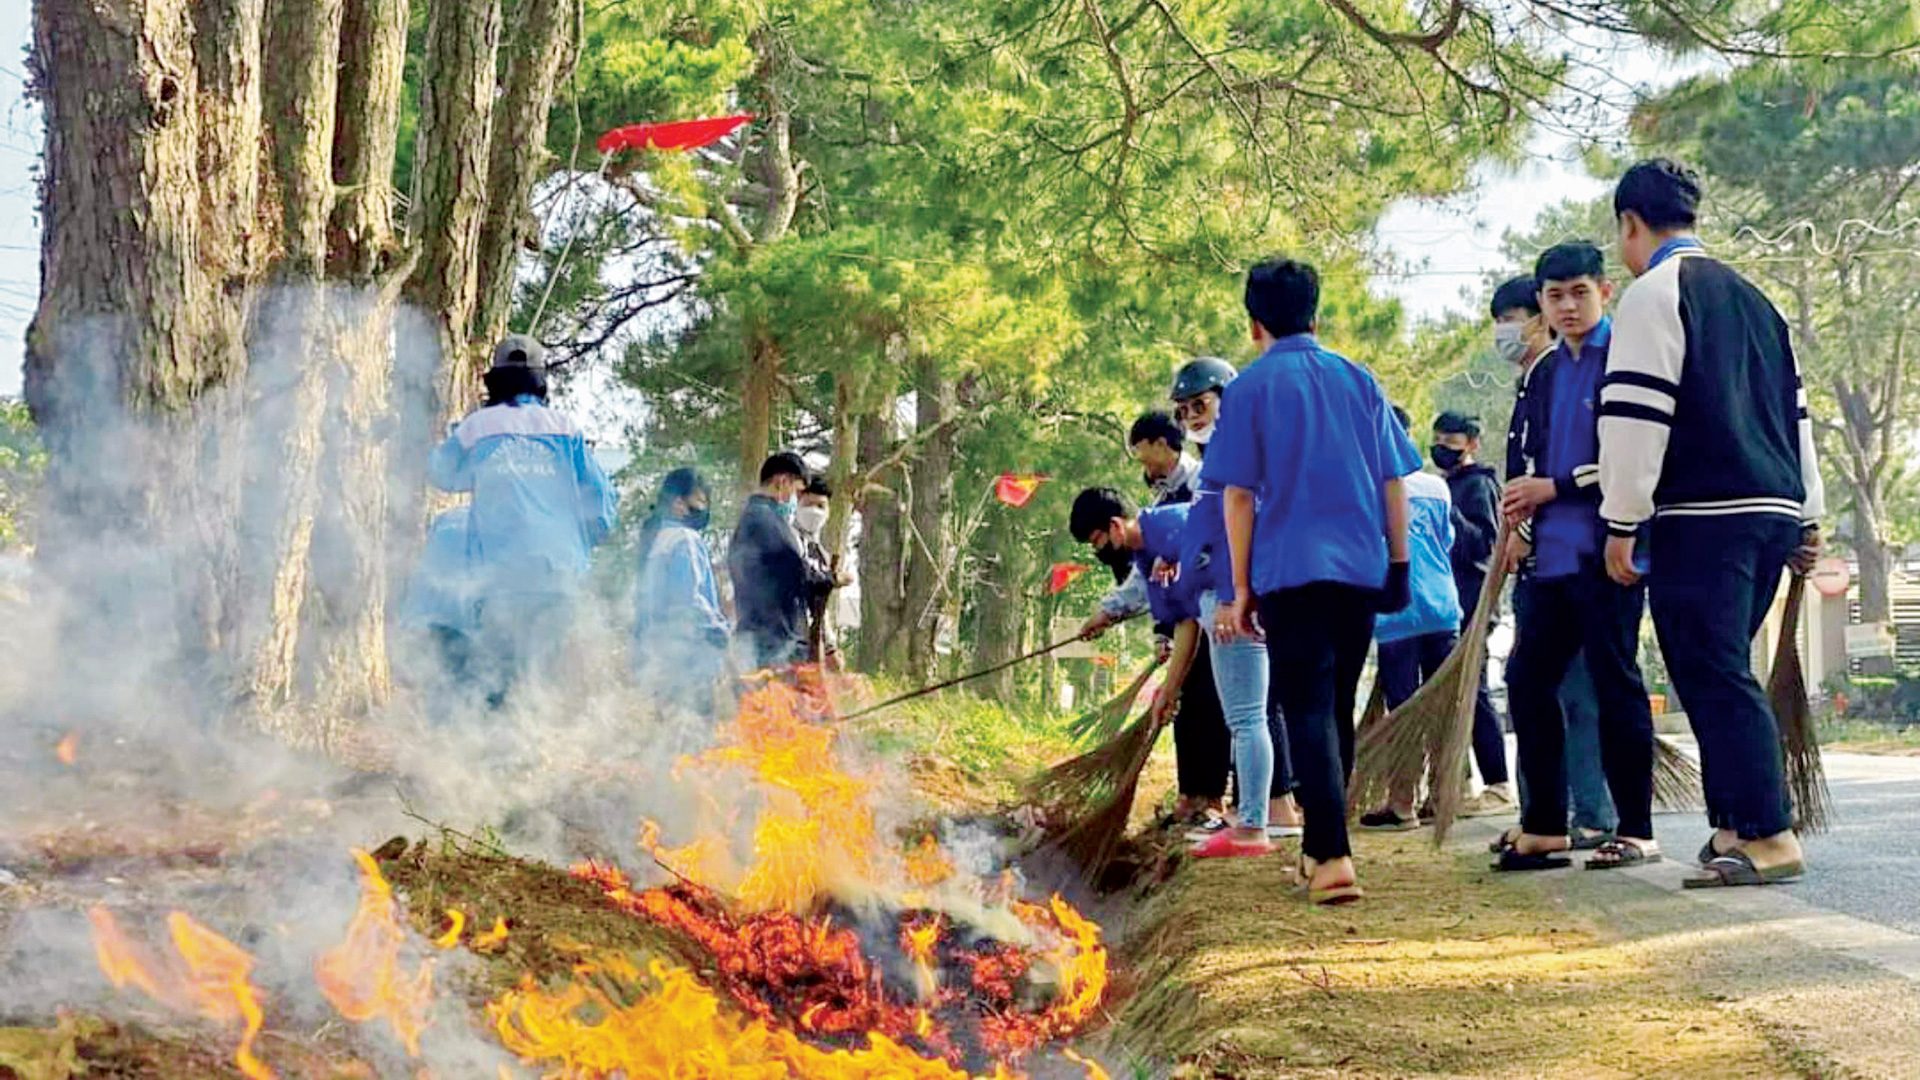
(675,135)
(1062,574)
(1015,489)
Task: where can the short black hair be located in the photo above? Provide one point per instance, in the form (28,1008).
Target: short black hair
(785,463)
(817,484)
(1569,260)
(1522,293)
(1283,295)
(1094,509)
(1663,192)
(1405,418)
(682,482)
(1454,422)
(1156,425)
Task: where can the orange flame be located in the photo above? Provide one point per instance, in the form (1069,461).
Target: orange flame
(214,983)
(362,976)
(451,939)
(927,864)
(679,1030)
(495,936)
(68,749)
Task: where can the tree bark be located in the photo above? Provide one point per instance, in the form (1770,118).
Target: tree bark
(540,45)
(881,552)
(759,383)
(930,474)
(373,55)
(1001,603)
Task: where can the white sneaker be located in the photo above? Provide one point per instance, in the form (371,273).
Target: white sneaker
(1281,832)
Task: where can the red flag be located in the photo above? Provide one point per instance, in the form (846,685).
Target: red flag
(1062,575)
(676,135)
(1015,489)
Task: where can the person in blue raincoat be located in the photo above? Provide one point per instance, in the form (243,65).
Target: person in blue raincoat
(680,633)
(540,505)
(439,601)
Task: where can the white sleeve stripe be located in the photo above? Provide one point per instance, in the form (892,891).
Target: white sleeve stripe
(1638,395)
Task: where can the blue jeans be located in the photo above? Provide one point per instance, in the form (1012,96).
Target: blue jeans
(1240,676)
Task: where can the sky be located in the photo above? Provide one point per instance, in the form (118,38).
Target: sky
(1441,249)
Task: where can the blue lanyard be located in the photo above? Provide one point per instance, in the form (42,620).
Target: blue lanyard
(1678,243)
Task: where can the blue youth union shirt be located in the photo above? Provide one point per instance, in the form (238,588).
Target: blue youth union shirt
(1162,528)
(1435,607)
(1310,433)
(1566,531)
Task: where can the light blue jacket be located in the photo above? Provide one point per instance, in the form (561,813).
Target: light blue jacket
(441,593)
(540,500)
(678,596)
(1436,601)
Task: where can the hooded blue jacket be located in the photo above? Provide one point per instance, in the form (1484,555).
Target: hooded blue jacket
(540,500)
(440,592)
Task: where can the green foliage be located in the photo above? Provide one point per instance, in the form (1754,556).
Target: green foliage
(994,747)
(23,461)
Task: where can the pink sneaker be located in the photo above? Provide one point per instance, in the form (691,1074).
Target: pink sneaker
(1224,845)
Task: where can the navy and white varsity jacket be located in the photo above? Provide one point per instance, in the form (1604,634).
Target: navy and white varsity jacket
(1702,412)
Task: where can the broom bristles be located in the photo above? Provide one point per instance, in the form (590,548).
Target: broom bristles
(1102,722)
(1437,721)
(1093,816)
(1799,742)
(1676,777)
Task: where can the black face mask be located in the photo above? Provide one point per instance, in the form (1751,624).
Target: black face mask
(697,519)
(1115,558)
(1446,457)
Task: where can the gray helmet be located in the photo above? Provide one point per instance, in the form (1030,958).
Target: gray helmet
(1199,375)
(519,351)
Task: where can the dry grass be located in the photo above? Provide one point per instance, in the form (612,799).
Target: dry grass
(1442,971)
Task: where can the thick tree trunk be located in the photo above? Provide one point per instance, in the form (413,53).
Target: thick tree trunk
(373,54)
(540,46)
(927,538)
(881,552)
(1001,603)
(759,383)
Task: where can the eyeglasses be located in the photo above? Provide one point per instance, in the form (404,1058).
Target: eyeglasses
(1199,406)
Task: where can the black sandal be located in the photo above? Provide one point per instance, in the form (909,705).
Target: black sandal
(1513,860)
(1617,854)
(1736,868)
(1508,837)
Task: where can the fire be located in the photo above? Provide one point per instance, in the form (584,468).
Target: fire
(211,978)
(451,939)
(678,1030)
(362,977)
(493,937)
(927,864)
(68,749)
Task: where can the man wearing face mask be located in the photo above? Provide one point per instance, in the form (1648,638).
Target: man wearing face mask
(773,583)
(810,521)
(680,632)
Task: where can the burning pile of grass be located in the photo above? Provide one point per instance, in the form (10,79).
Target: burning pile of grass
(819,951)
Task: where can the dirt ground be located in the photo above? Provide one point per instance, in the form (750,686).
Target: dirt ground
(1444,971)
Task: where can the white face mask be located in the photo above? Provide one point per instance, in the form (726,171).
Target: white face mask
(1510,342)
(1204,435)
(810,519)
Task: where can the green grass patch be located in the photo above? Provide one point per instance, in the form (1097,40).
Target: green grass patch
(983,745)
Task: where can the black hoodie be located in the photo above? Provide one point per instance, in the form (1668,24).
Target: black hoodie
(1476,524)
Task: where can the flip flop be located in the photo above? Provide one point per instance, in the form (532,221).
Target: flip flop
(1335,895)
(1708,852)
(1281,832)
(1513,860)
(1736,869)
(1507,838)
(1618,854)
(1589,839)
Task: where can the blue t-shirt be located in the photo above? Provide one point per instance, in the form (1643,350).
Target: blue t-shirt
(1435,607)
(1310,433)
(1567,530)
(1162,530)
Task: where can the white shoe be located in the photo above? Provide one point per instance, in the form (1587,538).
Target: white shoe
(1491,802)
(1281,832)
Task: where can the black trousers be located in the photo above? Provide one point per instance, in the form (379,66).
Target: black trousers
(1558,617)
(1489,742)
(1714,579)
(1317,638)
(1202,749)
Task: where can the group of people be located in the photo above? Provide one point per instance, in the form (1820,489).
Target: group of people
(1660,457)
(500,577)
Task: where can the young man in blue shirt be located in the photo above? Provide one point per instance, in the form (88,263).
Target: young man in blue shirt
(1704,432)
(1418,638)
(1567,604)
(1307,443)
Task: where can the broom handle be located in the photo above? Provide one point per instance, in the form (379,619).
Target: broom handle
(1789,641)
(970,676)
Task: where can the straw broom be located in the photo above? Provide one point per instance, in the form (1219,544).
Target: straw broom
(1787,690)
(1676,777)
(1092,796)
(1439,716)
(1103,722)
